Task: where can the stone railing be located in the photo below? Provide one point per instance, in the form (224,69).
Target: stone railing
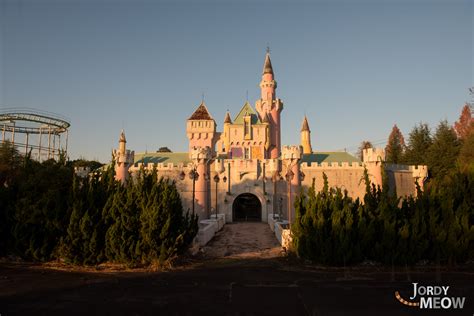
(208,228)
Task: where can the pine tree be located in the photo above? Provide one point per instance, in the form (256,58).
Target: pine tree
(466,154)
(395,147)
(419,142)
(443,152)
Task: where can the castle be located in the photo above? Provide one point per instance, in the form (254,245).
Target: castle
(245,173)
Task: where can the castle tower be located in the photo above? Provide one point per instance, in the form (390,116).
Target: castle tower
(306,137)
(227,123)
(291,156)
(201,129)
(123,160)
(373,159)
(200,157)
(269,104)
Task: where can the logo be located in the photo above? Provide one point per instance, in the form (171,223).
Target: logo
(432,297)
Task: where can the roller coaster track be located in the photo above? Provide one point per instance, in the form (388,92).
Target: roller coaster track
(46,121)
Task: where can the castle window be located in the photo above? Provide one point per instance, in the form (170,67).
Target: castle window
(247,153)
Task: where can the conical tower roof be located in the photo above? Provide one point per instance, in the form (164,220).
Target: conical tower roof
(122,137)
(267,66)
(305,125)
(201,113)
(227,118)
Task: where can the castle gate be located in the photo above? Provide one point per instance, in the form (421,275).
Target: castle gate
(246,207)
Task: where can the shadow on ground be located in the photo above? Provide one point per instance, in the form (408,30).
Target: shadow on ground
(235,275)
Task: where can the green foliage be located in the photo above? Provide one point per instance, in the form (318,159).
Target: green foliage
(48,213)
(438,225)
(443,153)
(395,147)
(419,142)
(466,153)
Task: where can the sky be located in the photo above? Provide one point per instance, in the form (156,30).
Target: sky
(355,68)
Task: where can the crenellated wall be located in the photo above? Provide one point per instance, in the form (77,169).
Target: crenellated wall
(266,180)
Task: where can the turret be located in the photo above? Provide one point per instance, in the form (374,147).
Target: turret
(122,142)
(270,105)
(373,159)
(306,137)
(200,157)
(291,156)
(227,123)
(201,129)
(123,160)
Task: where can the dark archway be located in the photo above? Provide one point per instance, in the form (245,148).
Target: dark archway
(246,207)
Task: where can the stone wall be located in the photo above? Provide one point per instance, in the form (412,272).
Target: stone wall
(255,176)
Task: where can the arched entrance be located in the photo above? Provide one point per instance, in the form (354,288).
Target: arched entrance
(246,207)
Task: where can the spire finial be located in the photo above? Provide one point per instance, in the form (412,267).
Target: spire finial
(202,97)
(268,49)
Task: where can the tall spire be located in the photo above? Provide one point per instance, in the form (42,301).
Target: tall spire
(305,125)
(306,137)
(269,105)
(267,66)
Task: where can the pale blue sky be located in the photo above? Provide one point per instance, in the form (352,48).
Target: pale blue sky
(354,67)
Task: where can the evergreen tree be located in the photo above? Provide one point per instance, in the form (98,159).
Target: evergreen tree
(465,125)
(466,154)
(395,147)
(419,142)
(443,152)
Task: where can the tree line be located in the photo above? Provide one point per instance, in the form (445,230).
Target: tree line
(435,225)
(448,148)
(46,213)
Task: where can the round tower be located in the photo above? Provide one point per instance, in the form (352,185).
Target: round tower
(227,123)
(200,157)
(268,104)
(291,156)
(373,159)
(123,160)
(306,137)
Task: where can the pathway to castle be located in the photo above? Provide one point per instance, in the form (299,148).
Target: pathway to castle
(243,240)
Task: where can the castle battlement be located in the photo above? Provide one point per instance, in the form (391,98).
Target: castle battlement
(127,157)
(331,165)
(373,155)
(419,171)
(199,153)
(291,152)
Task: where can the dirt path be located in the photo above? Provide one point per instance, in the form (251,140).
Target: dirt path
(245,240)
